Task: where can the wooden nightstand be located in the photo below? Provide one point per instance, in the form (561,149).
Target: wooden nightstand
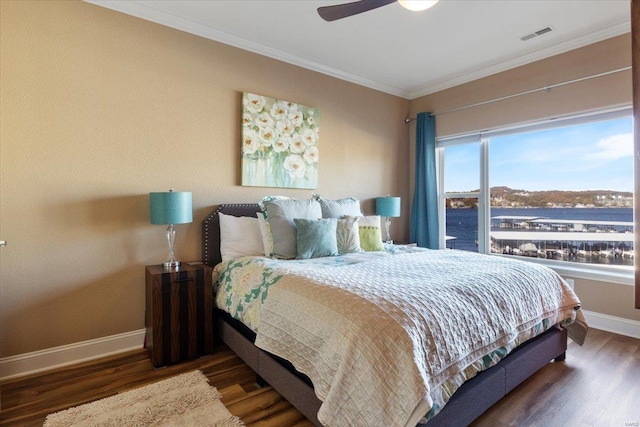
(179,313)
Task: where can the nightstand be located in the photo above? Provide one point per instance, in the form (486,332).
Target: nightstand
(179,312)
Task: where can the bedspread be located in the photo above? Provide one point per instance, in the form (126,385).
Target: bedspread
(389,340)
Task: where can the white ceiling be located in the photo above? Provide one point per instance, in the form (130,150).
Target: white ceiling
(408,54)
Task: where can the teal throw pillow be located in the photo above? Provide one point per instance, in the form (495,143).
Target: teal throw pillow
(316,238)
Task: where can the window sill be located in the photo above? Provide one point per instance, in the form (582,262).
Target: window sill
(601,273)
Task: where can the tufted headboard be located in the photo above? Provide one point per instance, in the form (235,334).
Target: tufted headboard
(211,229)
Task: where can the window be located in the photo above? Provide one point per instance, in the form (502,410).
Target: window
(559,192)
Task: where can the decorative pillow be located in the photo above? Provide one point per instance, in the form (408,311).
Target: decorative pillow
(316,238)
(370,233)
(239,236)
(265,234)
(348,235)
(280,213)
(339,208)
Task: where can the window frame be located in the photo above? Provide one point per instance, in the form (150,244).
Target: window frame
(598,272)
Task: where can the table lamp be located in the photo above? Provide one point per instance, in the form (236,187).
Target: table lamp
(388,207)
(172,207)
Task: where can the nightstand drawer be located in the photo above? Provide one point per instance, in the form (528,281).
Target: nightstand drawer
(179,316)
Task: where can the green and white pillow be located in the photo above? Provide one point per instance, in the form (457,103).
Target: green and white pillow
(370,233)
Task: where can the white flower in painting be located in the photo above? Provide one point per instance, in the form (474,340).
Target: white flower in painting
(295,166)
(254,103)
(264,120)
(297,144)
(309,136)
(317,134)
(285,127)
(311,119)
(268,135)
(247,119)
(279,110)
(281,144)
(296,117)
(250,142)
(311,155)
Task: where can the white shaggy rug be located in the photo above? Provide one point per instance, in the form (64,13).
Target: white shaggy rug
(183,400)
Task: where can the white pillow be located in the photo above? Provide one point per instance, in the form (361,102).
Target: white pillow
(239,236)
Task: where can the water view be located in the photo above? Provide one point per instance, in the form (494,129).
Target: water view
(586,235)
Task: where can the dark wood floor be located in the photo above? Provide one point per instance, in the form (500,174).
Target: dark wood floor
(598,385)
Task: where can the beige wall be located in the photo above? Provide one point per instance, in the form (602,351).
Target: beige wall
(100,108)
(595,94)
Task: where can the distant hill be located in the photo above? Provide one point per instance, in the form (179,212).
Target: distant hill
(516,198)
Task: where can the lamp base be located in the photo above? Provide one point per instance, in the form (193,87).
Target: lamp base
(171,239)
(170,264)
(387,225)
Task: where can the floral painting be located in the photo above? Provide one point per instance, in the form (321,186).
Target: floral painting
(279,143)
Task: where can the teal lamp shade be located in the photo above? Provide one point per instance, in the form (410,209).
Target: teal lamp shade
(171,207)
(168,208)
(388,206)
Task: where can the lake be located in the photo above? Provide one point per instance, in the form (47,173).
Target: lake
(463,223)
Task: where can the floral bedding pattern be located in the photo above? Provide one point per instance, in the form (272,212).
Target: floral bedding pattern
(242,284)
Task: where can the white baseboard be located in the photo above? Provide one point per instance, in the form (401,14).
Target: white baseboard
(617,325)
(42,360)
(38,361)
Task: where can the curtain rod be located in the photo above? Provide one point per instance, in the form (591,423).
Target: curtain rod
(547,88)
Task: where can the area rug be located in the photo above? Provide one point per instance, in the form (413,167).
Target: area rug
(183,400)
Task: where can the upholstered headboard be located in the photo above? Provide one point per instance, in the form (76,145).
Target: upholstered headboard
(211,229)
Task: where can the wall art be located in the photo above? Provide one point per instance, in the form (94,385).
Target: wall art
(279,143)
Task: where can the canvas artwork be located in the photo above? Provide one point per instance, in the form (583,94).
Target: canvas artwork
(279,143)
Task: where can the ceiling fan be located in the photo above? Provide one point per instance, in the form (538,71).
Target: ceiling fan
(339,11)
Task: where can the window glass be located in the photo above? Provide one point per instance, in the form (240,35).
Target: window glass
(462,168)
(462,177)
(564,193)
(462,224)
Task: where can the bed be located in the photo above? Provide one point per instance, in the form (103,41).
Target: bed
(467,393)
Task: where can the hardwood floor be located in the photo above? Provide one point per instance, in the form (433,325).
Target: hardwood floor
(598,385)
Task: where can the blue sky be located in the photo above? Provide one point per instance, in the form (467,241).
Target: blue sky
(593,156)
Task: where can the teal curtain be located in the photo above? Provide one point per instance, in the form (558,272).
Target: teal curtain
(424,211)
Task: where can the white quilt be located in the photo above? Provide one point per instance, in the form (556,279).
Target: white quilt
(389,340)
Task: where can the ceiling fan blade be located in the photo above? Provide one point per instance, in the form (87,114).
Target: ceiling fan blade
(339,11)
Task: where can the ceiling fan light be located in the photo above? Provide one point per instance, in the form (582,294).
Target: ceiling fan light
(417,5)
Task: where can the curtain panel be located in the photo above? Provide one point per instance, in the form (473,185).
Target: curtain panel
(424,213)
